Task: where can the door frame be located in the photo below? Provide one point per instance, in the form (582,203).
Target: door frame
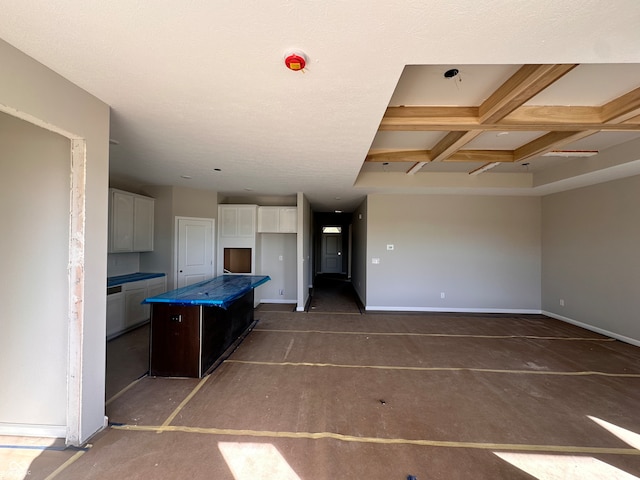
(176,245)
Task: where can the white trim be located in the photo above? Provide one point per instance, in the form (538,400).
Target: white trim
(453,310)
(586,326)
(32,430)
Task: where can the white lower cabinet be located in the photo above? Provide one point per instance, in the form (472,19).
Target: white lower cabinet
(135,311)
(125,309)
(115,314)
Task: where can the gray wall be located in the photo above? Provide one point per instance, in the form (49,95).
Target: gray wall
(34,257)
(172,202)
(483,252)
(305,252)
(590,257)
(272,246)
(359,252)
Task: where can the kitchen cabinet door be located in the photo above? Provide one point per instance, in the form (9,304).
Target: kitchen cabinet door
(268,219)
(134,295)
(115,314)
(121,222)
(288,220)
(143,224)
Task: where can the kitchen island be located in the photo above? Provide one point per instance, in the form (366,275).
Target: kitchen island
(192,327)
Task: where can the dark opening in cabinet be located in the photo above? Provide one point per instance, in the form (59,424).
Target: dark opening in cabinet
(237,260)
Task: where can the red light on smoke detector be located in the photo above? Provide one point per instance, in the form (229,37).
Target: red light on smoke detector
(295,61)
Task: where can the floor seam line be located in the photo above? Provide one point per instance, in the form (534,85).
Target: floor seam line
(410,334)
(436,369)
(184,402)
(385,441)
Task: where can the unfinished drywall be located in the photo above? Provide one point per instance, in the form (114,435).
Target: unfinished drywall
(590,260)
(453,253)
(41,97)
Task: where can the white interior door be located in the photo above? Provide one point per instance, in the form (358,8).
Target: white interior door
(194,250)
(331,253)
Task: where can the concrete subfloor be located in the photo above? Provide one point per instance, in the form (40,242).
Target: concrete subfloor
(322,395)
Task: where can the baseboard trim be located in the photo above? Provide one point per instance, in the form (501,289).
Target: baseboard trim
(29,430)
(277,300)
(592,328)
(452,310)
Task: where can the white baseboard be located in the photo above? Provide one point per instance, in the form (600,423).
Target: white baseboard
(592,328)
(29,430)
(277,300)
(452,310)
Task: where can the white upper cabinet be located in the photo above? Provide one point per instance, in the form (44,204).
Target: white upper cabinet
(130,222)
(237,221)
(277,219)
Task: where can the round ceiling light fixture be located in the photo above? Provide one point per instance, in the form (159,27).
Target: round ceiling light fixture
(295,61)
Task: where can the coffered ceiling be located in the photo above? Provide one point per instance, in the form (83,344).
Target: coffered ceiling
(484,119)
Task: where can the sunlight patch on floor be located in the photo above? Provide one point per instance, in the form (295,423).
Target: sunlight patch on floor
(627,436)
(564,467)
(17,453)
(256,461)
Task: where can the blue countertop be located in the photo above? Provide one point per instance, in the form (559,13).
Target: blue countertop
(219,292)
(131,277)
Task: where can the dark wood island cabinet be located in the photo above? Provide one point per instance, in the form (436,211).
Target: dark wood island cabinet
(191,327)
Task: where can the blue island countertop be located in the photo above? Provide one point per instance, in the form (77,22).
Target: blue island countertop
(131,277)
(218,292)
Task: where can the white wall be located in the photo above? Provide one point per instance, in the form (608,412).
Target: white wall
(590,257)
(34,93)
(483,252)
(34,253)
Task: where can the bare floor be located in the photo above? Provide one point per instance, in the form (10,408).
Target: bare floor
(313,396)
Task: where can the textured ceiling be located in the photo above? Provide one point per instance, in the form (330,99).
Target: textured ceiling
(198,86)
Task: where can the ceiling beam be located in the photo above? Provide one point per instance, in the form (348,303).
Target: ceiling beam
(622,108)
(485,156)
(525,84)
(525,118)
(548,142)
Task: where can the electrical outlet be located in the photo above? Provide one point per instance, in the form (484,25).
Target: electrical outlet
(562,302)
(375,261)
(442,295)
(281,291)
(389,247)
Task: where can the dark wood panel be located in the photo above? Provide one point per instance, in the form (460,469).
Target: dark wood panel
(175,340)
(220,328)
